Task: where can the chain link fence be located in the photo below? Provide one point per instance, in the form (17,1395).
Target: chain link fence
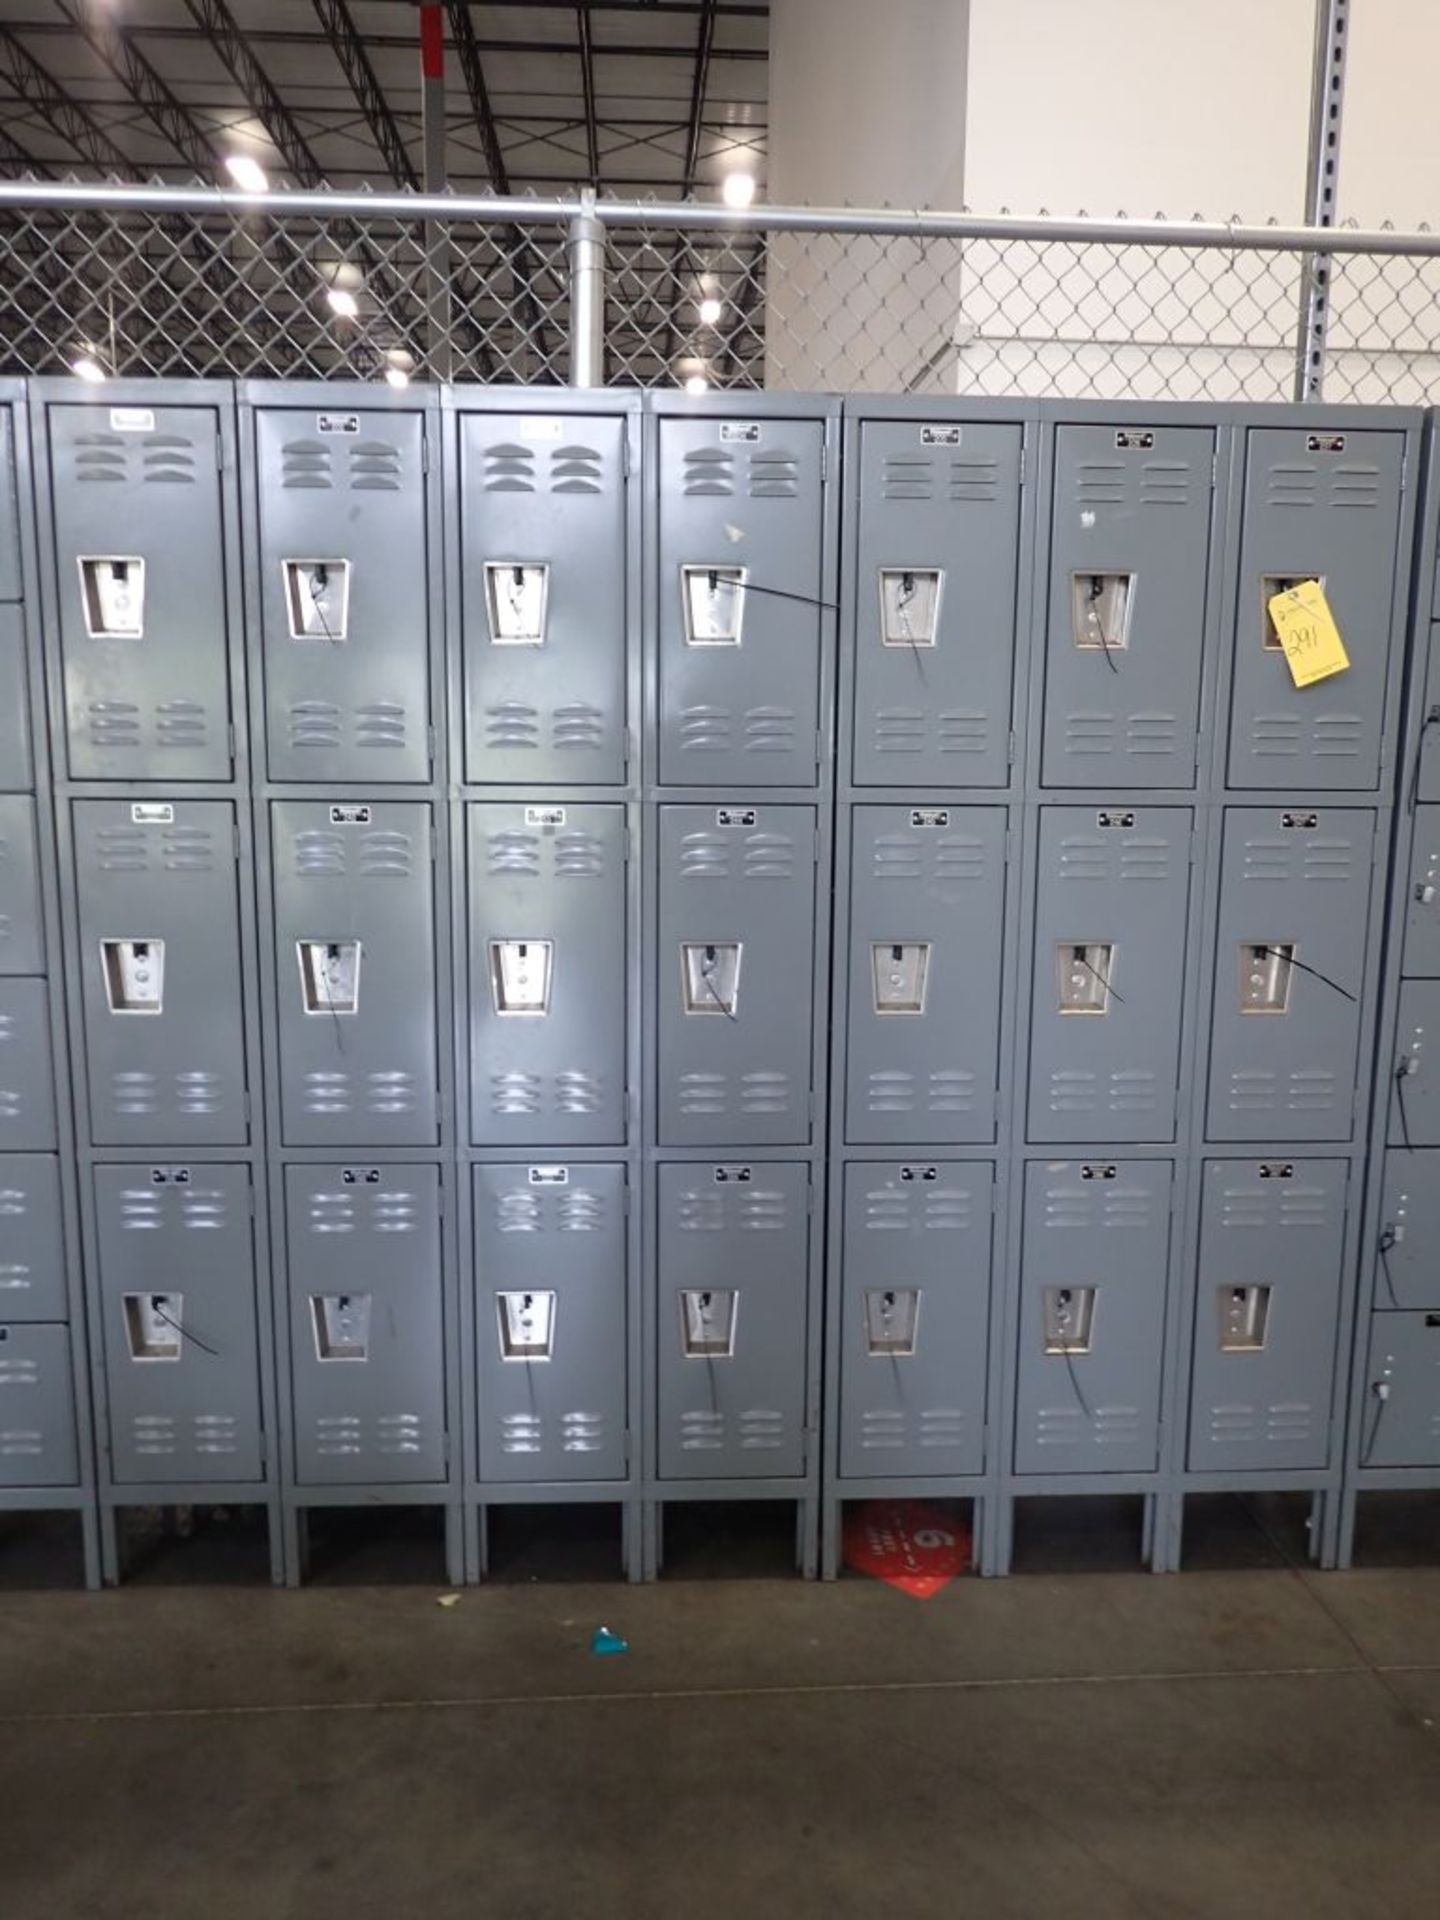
(171,282)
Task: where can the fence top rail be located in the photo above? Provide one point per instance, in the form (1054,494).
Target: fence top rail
(67,196)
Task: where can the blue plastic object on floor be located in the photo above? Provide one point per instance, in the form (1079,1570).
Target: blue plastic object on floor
(603,1641)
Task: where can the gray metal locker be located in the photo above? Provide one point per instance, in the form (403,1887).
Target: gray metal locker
(17,767)
(550,1320)
(1326,506)
(1421,956)
(37,1408)
(1267,1303)
(1129,562)
(1401,1426)
(1415,1083)
(140,569)
(735,962)
(32,1244)
(156,884)
(1289,973)
(355,973)
(11,581)
(543,596)
(936,562)
(1427,773)
(546,921)
(927,934)
(22,935)
(1093,1282)
(1409,1231)
(344,594)
(176,1263)
(740,550)
(732,1272)
(27,1087)
(1112,889)
(367,1354)
(915,1319)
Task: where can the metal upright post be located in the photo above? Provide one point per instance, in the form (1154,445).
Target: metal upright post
(586,248)
(1327,99)
(437,247)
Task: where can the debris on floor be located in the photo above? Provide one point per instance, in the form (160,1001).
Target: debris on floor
(448,1600)
(603,1641)
(909,1544)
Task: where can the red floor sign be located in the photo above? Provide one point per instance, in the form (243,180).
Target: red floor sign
(906,1543)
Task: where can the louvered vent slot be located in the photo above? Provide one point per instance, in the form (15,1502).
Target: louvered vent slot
(1355,487)
(101,456)
(709,470)
(305,463)
(122,850)
(375,466)
(1101,483)
(908,476)
(973,480)
(513,852)
(386,853)
(319,853)
(1295,486)
(170,459)
(575,470)
(1165,483)
(509,469)
(774,476)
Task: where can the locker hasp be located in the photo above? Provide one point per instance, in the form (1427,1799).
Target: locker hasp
(1266,970)
(153,1323)
(707,1322)
(527,1325)
(134,975)
(899,973)
(1068,1319)
(710,976)
(517,594)
(317,599)
(714,604)
(892,1316)
(1083,973)
(1100,610)
(910,606)
(330,975)
(520,976)
(1244,1318)
(112,590)
(341,1323)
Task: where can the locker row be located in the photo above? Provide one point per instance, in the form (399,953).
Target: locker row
(1029,593)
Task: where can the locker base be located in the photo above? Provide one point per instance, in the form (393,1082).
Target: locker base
(1322,1526)
(1421,1482)
(362,1538)
(565,1526)
(996,1554)
(178,1508)
(711,1515)
(963,1499)
(79,1501)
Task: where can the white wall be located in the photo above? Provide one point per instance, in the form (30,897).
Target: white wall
(1390,135)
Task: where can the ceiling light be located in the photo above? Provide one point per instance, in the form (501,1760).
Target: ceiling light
(246,172)
(710,312)
(86,367)
(396,377)
(737,189)
(343,302)
(697,383)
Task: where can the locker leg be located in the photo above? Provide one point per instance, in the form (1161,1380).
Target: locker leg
(632,1539)
(1002,1536)
(276,1523)
(1325,1546)
(807,1537)
(90,1541)
(110,1546)
(979,1509)
(1315,1529)
(1175,1546)
(470,1522)
(831,1517)
(654,1538)
(1147,1530)
(1346,1508)
(1161,1533)
(482,1542)
(297,1545)
(454,1544)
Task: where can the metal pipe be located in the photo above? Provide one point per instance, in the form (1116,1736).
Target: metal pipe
(586,249)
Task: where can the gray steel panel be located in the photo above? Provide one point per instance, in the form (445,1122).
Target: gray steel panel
(163,871)
(742,494)
(37,1408)
(1427,774)
(1415,1094)
(1102,1226)
(32,1244)
(549,874)
(1317,505)
(1408,1274)
(371,1234)
(1126,712)
(156,707)
(746,875)
(740,1229)
(22,932)
(1116,877)
(1301,878)
(1422,911)
(1403,1428)
(346,874)
(915,1229)
(27,1087)
(932,878)
(11,581)
(557,1232)
(546,490)
(938,713)
(176,1281)
(17,766)
(1279,1225)
(355,706)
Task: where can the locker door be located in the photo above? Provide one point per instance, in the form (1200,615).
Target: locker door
(343,594)
(27,1085)
(176,1259)
(17,769)
(32,1245)
(543,597)
(1409,1272)
(935,571)
(740,529)
(11,583)
(160,965)
(915,1313)
(1109,968)
(1289,973)
(550,1318)
(1094,1271)
(736,953)
(547,974)
(1415,1083)
(1267,1304)
(733,1252)
(367,1356)
(22,937)
(140,569)
(927,932)
(1320,506)
(37,1408)
(1403,1429)
(1422,913)
(355,973)
(1129,562)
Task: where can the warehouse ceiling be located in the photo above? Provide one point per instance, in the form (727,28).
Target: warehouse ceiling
(655,98)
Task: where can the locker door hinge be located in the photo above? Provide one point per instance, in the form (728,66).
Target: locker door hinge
(1404,470)
(625,1209)
(1214,470)
(424,453)
(626,847)
(1010,748)
(824,461)
(245,1105)
(1020,481)
(819,749)
(625,456)
(627,750)
(235,839)
(219,452)
(230,741)
(625,1446)
(1384,756)
(434,842)
(430,746)
(262,1447)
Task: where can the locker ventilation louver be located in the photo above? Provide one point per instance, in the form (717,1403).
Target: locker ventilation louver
(974,481)
(1165,483)
(306,463)
(509,468)
(375,466)
(166,459)
(708,471)
(774,476)
(576,470)
(908,476)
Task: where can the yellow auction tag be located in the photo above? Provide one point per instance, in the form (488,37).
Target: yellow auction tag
(1308,633)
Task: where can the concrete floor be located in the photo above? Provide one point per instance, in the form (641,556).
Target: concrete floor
(1243,1739)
